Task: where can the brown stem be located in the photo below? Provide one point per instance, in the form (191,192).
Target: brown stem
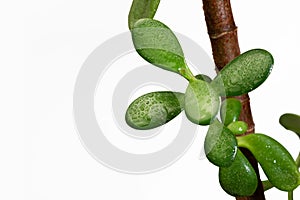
(225,47)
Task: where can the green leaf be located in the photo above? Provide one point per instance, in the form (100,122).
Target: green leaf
(244,73)
(267,185)
(291,122)
(142,9)
(201,102)
(158,45)
(277,163)
(154,109)
(298,161)
(230,110)
(238,127)
(203,77)
(220,145)
(239,179)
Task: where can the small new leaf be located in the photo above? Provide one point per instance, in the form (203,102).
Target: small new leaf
(230,110)
(238,127)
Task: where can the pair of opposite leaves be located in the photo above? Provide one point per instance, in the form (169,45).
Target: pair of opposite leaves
(157,44)
(236,175)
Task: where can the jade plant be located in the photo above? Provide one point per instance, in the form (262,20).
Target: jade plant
(205,98)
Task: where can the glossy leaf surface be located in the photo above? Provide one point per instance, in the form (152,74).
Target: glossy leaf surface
(230,110)
(244,73)
(158,45)
(220,145)
(238,127)
(201,102)
(239,179)
(154,109)
(277,163)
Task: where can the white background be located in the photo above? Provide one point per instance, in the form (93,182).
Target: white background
(53,38)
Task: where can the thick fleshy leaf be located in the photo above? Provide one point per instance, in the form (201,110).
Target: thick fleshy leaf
(277,163)
(239,179)
(244,73)
(291,122)
(220,145)
(142,9)
(158,45)
(238,127)
(230,110)
(154,109)
(201,102)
